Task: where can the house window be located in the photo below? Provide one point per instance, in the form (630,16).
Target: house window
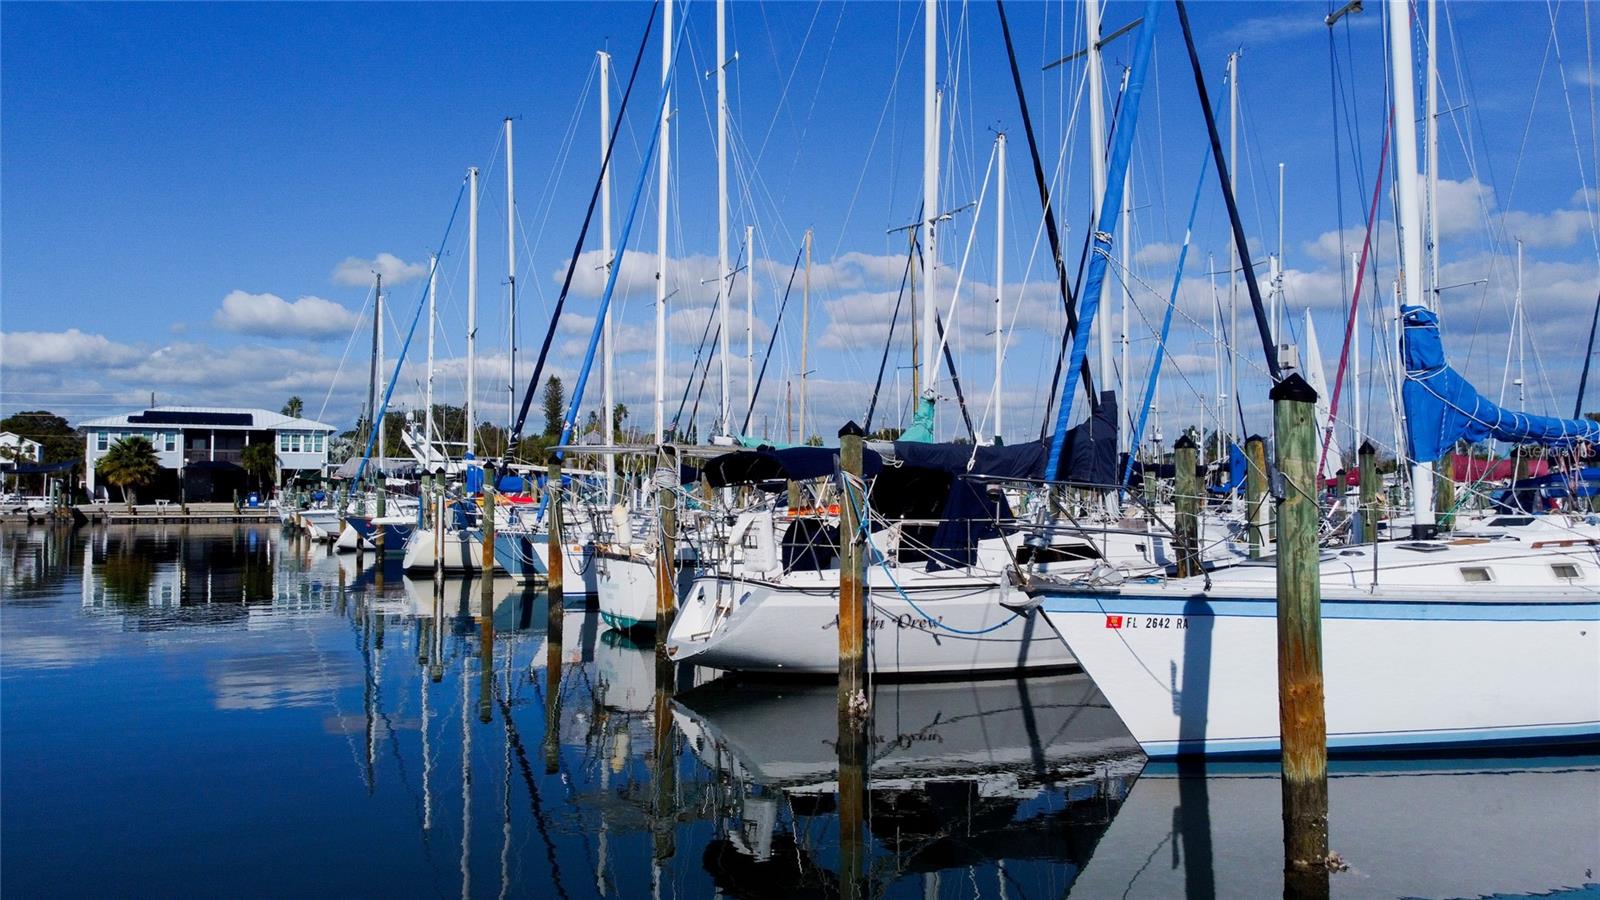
(283,442)
(1566,571)
(1475,574)
(102,440)
(170,441)
(294,443)
(318,439)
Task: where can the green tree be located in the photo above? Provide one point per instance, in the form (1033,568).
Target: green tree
(59,440)
(260,462)
(130,463)
(555,406)
(619,414)
(294,407)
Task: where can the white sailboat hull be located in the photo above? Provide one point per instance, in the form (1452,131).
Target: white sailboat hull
(1191,672)
(461,550)
(946,625)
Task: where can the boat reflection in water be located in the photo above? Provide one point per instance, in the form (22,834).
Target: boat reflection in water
(1405,828)
(1004,781)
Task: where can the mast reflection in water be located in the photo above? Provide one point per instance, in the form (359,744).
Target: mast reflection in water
(227,710)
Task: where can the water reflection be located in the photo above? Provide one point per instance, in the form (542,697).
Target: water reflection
(466,737)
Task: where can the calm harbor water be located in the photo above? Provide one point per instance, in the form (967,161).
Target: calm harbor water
(223,710)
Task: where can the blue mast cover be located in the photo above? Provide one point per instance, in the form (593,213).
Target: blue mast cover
(1442,407)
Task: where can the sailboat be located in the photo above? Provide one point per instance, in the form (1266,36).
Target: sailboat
(1488,638)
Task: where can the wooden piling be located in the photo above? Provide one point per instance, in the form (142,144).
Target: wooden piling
(552,689)
(1368,458)
(377,527)
(1257,513)
(1186,497)
(666,478)
(852,573)
(1302,718)
(1444,493)
(555,573)
(488,524)
(853,700)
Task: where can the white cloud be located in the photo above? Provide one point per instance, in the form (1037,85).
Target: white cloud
(1557,228)
(37,349)
(357,272)
(269,315)
(1158,253)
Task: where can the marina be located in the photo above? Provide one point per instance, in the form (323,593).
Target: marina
(227,674)
(1241,541)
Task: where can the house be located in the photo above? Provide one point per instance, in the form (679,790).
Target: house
(200,448)
(16,448)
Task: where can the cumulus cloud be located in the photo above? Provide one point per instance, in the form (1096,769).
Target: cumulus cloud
(39,349)
(1157,253)
(269,315)
(357,272)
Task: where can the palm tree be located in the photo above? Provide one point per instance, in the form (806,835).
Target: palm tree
(261,463)
(294,407)
(130,463)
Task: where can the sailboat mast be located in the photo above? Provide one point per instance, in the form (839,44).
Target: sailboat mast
(930,177)
(1127,298)
(1355,360)
(1233,251)
(1431,133)
(999,285)
(511,284)
(427,392)
(1277,286)
(750,317)
(805,336)
(607,387)
(372,368)
(1097,159)
(722,202)
(661,223)
(1410,225)
(472,303)
(377,350)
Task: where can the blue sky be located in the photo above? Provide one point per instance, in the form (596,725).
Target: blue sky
(194,194)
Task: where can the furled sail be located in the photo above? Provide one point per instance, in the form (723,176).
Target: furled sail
(1442,407)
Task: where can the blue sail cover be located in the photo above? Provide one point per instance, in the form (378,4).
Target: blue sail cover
(1442,407)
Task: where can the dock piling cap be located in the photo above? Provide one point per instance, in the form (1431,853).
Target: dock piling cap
(1367,449)
(1293,388)
(1186,442)
(851,429)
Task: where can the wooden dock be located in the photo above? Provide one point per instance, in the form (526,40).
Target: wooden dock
(153,514)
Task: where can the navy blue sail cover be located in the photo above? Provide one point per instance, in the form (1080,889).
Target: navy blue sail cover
(1442,407)
(791,463)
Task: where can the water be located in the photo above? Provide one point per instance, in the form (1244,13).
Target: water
(220,710)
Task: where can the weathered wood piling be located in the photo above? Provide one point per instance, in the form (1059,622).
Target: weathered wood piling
(555,572)
(1186,497)
(1367,456)
(1257,512)
(1302,718)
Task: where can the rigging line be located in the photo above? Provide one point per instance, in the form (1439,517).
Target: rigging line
(1069,300)
(1583,380)
(1577,147)
(694,411)
(1355,302)
(1242,243)
(888,342)
(546,201)
(376,416)
(755,394)
(345,355)
(1083,257)
(695,369)
(583,233)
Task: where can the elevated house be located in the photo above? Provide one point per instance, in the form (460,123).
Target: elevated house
(201,448)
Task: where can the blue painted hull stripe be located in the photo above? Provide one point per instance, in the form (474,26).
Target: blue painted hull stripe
(1579,732)
(1439,610)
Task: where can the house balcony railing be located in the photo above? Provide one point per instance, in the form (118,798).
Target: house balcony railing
(201,455)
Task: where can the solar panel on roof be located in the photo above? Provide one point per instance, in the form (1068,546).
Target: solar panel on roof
(172,417)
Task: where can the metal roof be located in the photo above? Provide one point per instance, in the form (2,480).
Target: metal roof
(210,417)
